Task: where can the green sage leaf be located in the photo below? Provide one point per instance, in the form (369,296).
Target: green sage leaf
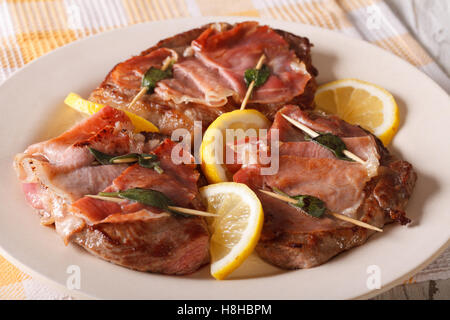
(150,164)
(101,157)
(259,76)
(311,205)
(147,197)
(332,143)
(153,75)
(144,160)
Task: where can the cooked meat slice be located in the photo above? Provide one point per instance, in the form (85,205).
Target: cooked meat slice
(233,51)
(194,82)
(317,122)
(57,175)
(357,140)
(291,239)
(129,75)
(177,182)
(59,171)
(147,241)
(146,238)
(338,183)
(69,150)
(204,84)
(364,147)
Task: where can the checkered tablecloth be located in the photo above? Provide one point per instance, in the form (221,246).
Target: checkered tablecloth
(30,28)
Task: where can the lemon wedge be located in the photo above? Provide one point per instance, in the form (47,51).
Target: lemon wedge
(361,103)
(212,150)
(74,101)
(235,232)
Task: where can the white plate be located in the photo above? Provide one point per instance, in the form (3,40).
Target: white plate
(33,110)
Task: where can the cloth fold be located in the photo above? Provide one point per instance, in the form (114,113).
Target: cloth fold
(31,28)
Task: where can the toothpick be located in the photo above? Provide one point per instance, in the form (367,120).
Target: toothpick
(357,222)
(301,126)
(177,209)
(278,196)
(252,84)
(138,96)
(314,134)
(193,211)
(166,64)
(110,199)
(336,215)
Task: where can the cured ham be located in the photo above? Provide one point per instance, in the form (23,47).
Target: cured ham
(234,51)
(358,141)
(58,174)
(148,241)
(70,185)
(129,75)
(195,82)
(291,239)
(159,241)
(208,75)
(339,184)
(59,171)
(216,70)
(178,182)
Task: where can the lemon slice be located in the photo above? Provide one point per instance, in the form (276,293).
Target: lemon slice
(235,232)
(74,101)
(361,103)
(212,150)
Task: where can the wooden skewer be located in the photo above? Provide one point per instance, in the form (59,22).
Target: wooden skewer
(166,64)
(252,84)
(177,209)
(278,196)
(110,199)
(128,160)
(336,215)
(354,221)
(314,134)
(193,211)
(138,96)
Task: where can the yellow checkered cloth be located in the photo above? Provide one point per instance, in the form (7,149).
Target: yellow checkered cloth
(31,28)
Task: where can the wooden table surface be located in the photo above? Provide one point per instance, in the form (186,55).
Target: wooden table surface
(429,22)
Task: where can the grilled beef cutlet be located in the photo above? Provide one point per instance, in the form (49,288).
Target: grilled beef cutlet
(58,174)
(209,75)
(375,193)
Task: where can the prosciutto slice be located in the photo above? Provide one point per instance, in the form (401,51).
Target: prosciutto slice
(337,183)
(59,171)
(143,237)
(177,182)
(315,121)
(200,89)
(293,141)
(214,72)
(58,174)
(195,82)
(128,75)
(233,51)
